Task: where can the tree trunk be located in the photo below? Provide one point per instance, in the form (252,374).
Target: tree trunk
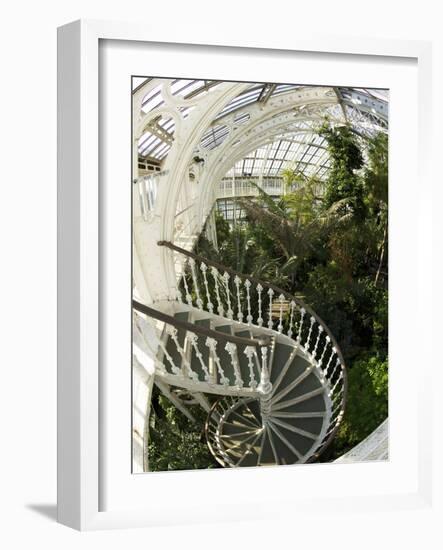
(382,253)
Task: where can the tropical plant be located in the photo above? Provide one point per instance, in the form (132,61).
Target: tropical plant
(176,443)
(326,242)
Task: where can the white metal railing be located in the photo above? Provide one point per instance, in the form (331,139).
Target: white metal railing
(180,356)
(209,286)
(147,189)
(244,187)
(250,187)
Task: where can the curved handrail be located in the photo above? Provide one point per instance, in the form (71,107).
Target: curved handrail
(290,297)
(191,327)
(252,279)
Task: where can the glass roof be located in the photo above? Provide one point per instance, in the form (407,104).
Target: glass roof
(297,145)
(303,152)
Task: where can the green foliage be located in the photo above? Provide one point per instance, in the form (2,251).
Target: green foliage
(367,404)
(376,176)
(343,184)
(176,443)
(329,247)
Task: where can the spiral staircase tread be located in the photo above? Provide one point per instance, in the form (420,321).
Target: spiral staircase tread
(313,425)
(303,384)
(254,407)
(246,420)
(236,448)
(294,429)
(236,436)
(299,403)
(249,458)
(286,448)
(275,453)
(266,455)
(282,353)
(296,374)
(286,403)
(296,415)
(314,403)
(280,373)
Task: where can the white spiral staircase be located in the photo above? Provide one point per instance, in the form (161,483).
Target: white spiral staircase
(275,367)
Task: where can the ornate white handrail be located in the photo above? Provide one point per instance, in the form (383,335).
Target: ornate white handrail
(195,339)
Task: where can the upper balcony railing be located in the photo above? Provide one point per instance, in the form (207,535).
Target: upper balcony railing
(247,187)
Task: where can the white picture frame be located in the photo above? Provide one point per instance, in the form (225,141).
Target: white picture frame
(81,413)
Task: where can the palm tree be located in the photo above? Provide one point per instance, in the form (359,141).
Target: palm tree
(294,223)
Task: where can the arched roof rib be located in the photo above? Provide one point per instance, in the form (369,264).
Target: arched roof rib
(294,144)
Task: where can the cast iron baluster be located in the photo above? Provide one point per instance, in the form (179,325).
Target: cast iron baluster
(185,283)
(204,268)
(270,294)
(291,320)
(281,299)
(186,369)
(320,330)
(339,379)
(328,366)
(172,332)
(248,299)
(215,274)
(327,342)
(250,352)
(231,348)
(193,338)
(260,318)
(308,339)
(195,281)
(237,282)
(226,278)
(212,345)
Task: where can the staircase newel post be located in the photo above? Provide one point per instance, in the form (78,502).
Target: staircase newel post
(265,386)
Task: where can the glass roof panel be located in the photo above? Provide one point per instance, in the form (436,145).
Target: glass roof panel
(298,144)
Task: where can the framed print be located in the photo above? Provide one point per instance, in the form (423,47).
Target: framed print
(237,236)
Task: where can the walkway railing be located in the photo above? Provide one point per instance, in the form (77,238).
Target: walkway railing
(248,187)
(213,287)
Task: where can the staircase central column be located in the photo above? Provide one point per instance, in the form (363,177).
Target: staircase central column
(265,387)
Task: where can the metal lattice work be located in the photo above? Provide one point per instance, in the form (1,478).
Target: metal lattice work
(206,132)
(366,110)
